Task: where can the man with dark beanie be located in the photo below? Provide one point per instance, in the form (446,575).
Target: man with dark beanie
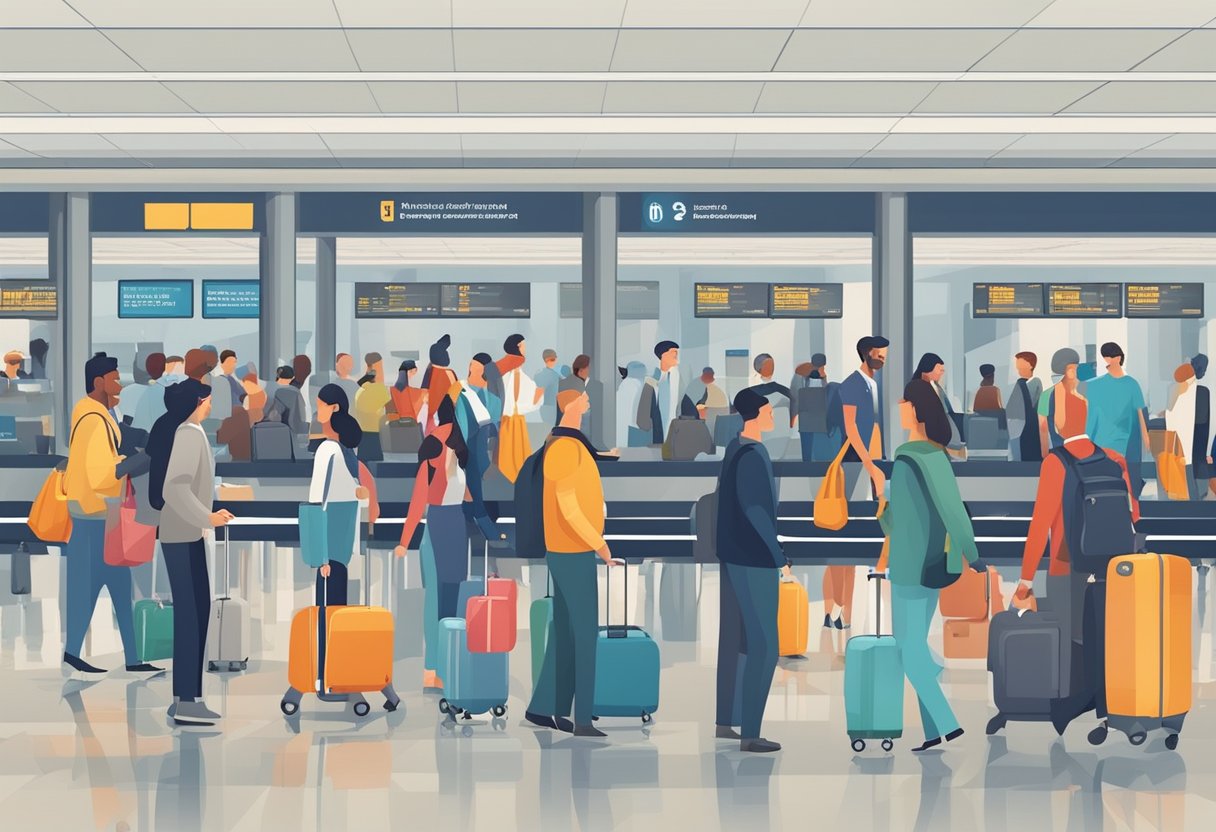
(752,563)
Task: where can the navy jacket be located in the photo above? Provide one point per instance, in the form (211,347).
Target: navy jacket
(747,508)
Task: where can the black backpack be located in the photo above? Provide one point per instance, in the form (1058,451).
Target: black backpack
(1097,512)
(812,405)
(530,506)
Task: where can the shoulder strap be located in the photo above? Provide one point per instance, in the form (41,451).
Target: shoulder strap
(329,475)
(109,432)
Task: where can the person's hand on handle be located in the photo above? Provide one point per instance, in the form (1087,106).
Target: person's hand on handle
(399,551)
(361,493)
(325,571)
(785,572)
(1023,596)
(221,518)
(878,478)
(606,556)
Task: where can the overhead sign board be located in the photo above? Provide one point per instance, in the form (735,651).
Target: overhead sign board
(390,213)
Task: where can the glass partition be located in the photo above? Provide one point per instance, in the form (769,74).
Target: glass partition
(27,320)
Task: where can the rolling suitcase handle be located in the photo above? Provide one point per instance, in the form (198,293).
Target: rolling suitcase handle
(878,578)
(624,631)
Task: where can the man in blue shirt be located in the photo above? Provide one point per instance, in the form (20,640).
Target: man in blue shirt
(751,557)
(1116,405)
(860,405)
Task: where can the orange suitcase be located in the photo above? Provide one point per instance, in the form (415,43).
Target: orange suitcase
(965,639)
(1148,645)
(793,619)
(967,597)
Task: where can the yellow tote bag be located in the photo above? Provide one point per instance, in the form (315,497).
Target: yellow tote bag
(1171,468)
(831,503)
(49,519)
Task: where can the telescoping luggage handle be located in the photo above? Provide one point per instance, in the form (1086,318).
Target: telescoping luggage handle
(623,632)
(321,616)
(877,578)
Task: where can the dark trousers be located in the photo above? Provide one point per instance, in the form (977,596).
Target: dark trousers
(333,590)
(1088,690)
(567,675)
(479,463)
(450,539)
(186,564)
(748,625)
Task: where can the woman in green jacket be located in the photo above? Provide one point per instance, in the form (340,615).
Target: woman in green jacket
(931,539)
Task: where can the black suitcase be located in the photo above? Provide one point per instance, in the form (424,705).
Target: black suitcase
(1029,665)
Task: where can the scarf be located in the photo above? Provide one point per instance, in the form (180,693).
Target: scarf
(508,363)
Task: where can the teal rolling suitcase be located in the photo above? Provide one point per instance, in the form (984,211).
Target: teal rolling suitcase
(473,683)
(540,618)
(626,668)
(874,685)
(153,626)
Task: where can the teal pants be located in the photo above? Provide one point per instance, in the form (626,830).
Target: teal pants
(567,675)
(912,609)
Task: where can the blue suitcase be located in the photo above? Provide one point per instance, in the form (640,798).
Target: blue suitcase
(874,685)
(626,668)
(473,683)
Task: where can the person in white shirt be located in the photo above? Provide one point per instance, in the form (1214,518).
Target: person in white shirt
(1181,419)
(336,461)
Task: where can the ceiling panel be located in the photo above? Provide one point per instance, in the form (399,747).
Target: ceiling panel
(175,145)
(536,97)
(236,50)
(481,14)
(78,145)
(1094,13)
(1075,50)
(402,50)
(682,97)
(60,50)
(48,13)
(415,97)
(926,13)
(12,152)
(555,151)
(657,146)
(887,50)
(1193,52)
(533,50)
(1150,97)
(963,149)
(841,97)
(434,145)
(381,13)
(13,100)
(276,96)
(697,50)
(813,145)
(180,13)
(115,97)
(1068,145)
(1003,97)
(719,14)
(1183,146)
(286,145)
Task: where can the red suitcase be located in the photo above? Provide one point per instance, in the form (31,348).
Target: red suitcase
(490,618)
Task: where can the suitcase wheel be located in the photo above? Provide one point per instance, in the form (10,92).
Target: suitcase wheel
(362,708)
(1171,742)
(288,707)
(444,707)
(499,711)
(646,718)
(997,723)
(466,731)
(1098,735)
(1137,738)
(887,745)
(391,705)
(859,746)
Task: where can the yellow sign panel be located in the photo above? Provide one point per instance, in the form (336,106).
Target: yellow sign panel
(166,216)
(221,216)
(388,210)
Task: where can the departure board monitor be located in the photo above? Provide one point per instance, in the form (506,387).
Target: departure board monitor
(232,298)
(1084,300)
(396,300)
(156,299)
(806,300)
(1163,300)
(635,300)
(29,299)
(1007,300)
(486,300)
(731,300)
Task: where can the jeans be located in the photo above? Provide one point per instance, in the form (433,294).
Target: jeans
(748,616)
(912,609)
(430,602)
(567,675)
(191,588)
(450,541)
(88,572)
(479,463)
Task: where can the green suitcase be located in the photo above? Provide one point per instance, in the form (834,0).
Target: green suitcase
(540,617)
(153,625)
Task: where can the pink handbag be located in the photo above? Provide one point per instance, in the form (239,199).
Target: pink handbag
(128,543)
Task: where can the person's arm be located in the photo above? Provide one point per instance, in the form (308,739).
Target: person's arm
(945,497)
(93,436)
(1135,504)
(750,484)
(189,450)
(417,504)
(367,481)
(562,466)
(1046,505)
(861,447)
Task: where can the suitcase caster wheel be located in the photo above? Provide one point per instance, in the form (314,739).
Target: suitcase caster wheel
(1171,742)
(1098,735)
(1138,738)
(444,707)
(288,707)
(468,715)
(392,706)
(859,746)
(362,709)
(499,724)
(995,724)
(647,719)
(887,745)
(466,731)
(499,711)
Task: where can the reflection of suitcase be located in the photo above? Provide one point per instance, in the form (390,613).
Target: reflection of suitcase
(626,668)
(679,593)
(1148,646)
(153,625)
(793,626)
(874,685)
(228,635)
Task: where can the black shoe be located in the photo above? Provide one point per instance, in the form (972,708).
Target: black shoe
(927,744)
(953,735)
(827,622)
(588,731)
(540,720)
(80,666)
(839,624)
(725,732)
(759,746)
(563,724)
(144,667)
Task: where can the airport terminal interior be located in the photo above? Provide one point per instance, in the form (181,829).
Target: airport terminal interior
(908,297)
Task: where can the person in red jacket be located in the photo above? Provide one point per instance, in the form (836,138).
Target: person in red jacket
(1066,590)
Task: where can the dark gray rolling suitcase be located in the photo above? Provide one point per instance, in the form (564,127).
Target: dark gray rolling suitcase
(1029,664)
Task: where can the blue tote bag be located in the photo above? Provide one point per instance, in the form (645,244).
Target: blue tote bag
(327,531)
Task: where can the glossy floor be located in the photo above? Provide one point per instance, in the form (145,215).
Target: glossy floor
(103,756)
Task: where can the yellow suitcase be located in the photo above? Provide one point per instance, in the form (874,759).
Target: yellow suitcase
(793,624)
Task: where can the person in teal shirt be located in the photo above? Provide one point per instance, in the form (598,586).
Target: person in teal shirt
(1116,405)
(926,523)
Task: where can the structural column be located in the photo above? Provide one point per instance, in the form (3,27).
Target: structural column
(277,319)
(70,260)
(599,312)
(327,305)
(893,305)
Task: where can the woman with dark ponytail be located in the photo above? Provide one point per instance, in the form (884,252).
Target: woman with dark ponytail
(335,479)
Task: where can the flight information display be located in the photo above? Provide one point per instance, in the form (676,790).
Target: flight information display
(486,300)
(731,300)
(635,300)
(156,299)
(1007,300)
(1163,300)
(396,300)
(29,299)
(806,300)
(232,298)
(1084,300)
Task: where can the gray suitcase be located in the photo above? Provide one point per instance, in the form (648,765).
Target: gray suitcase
(1029,665)
(272,442)
(228,634)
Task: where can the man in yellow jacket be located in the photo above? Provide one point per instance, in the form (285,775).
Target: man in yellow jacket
(95,477)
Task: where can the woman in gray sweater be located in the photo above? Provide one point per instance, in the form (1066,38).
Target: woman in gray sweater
(179,444)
